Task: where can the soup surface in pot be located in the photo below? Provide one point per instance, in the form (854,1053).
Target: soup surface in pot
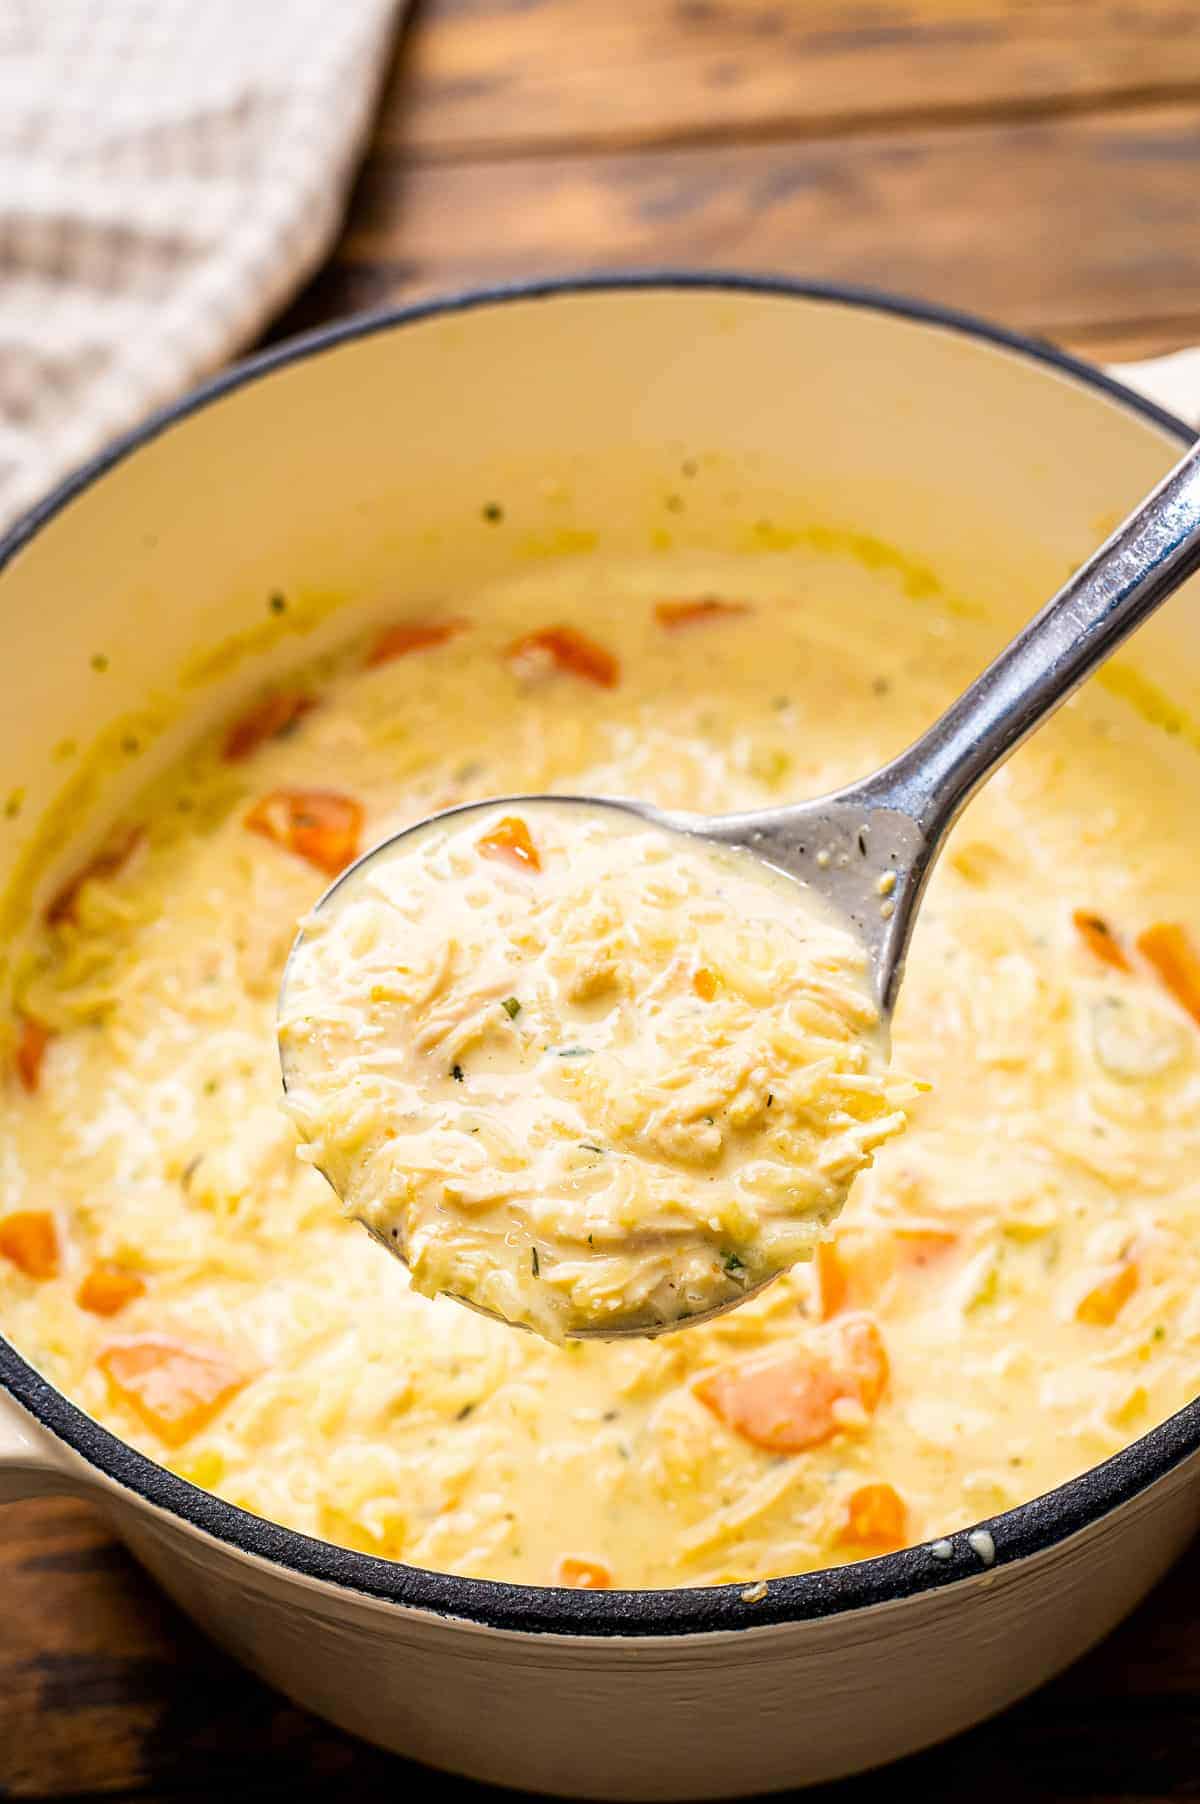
(1013,1289)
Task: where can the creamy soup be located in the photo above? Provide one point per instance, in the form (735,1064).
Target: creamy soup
(588,1074)
(1014,1288)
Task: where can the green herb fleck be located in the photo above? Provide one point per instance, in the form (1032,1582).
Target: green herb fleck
(570,1052)
(277,603)
(535,1264)
(710,1120)
(511,1007)
(1160,1332)
(464,1412)
(456,1072)
(733,1265)
(493,513)
(588,1147)
(99,661)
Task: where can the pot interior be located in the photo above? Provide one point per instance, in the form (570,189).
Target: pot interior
(456,446)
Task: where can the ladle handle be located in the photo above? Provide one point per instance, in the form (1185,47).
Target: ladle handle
(1134,572)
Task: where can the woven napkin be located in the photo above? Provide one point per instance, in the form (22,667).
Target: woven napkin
(170,171)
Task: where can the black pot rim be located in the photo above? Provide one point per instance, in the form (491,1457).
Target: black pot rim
(1017,1533)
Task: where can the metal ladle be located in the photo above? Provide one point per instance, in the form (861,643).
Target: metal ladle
(869,849)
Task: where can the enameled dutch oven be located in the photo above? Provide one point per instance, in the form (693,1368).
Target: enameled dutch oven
(437,446)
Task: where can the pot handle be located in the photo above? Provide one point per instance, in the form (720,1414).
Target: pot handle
(29,1463)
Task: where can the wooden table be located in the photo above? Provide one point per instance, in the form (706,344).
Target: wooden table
(1035,160)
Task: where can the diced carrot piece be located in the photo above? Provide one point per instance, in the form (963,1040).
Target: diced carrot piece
(317,824)
(509,839)
(30,1239)
(833,1280)
(1170,950)
(1100,939)
(706,983)
(875,1517)
(865,1359)
(782,1403)
(175,1389)
(63,905)
(1103,1303)
(107,1288)
(788,1401)
(582,1575)
(571,651)
(921,1246)
(34,1037)
(687,613)
(267,719)
(413,635)
(851,1272)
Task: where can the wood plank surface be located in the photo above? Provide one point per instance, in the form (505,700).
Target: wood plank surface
(483,76)
(1053,226)
(1034,160)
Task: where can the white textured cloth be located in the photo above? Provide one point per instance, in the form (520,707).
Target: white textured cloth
(170,171)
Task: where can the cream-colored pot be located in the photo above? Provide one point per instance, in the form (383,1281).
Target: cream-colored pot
(368,464)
